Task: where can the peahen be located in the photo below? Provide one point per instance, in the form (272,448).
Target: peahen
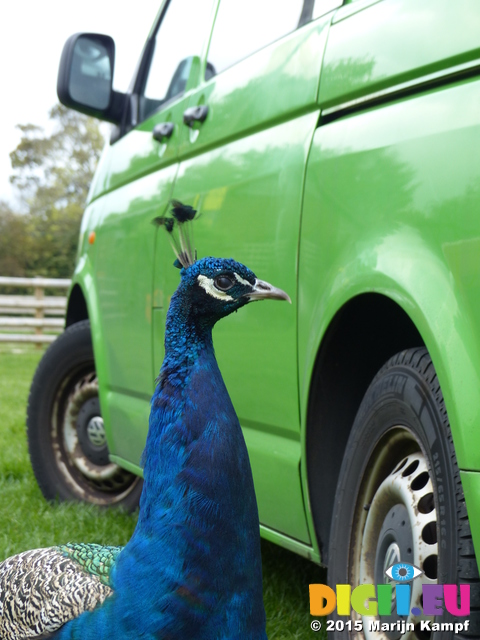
(192,569)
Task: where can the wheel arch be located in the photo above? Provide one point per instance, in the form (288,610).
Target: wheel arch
(363,335)
(396,294)
(77,309)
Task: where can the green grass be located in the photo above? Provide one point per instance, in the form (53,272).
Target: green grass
(28,522)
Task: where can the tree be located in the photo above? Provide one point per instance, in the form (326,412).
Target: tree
(14,242)
(52,173)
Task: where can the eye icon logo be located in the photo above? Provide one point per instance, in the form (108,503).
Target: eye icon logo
(403,572)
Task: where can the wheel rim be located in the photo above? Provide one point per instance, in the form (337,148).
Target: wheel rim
(396,521)
(79,443)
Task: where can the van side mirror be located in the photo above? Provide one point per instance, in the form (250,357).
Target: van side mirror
(85,77)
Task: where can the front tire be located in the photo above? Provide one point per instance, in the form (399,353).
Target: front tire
(399,495)
(66,438)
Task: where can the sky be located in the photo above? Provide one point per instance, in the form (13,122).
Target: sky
(32,35)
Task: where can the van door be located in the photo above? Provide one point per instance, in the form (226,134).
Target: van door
(245,174)
(136,181)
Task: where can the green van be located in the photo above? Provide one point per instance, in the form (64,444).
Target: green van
(334,148)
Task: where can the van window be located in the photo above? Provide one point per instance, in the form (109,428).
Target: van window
(322,7)
(181,35)
(245,26)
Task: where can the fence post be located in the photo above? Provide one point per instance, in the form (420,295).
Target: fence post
(39,305)
(39,311)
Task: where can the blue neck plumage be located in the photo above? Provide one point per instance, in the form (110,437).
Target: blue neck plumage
(186,336)
(188,350)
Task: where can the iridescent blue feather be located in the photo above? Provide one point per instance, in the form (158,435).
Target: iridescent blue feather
(192,568)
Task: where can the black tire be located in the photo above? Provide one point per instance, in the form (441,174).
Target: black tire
(400,467)
(66,439)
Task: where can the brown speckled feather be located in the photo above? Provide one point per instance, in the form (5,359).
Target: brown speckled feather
(41,590)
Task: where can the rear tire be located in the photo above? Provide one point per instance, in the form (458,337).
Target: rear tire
(66,438)
(399,496)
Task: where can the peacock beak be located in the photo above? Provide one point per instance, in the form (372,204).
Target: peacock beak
(263,290)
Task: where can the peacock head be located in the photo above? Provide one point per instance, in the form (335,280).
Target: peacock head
(219,286)
(215,286)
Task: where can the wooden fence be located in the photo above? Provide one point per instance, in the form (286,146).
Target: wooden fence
(48,311)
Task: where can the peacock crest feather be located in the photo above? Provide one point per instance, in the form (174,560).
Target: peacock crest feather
(179,228)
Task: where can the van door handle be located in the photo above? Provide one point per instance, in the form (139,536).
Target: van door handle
(163,130)
(195,114)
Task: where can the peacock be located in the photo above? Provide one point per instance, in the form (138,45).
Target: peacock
(192,569)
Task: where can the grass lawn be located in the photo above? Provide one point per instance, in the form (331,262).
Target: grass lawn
(28,522)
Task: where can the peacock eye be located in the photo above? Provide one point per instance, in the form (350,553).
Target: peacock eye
(224,283)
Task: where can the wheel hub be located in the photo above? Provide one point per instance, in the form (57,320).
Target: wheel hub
(96,431)
(85,446)
(395,542)
(91,432)
(392,556)
(400,527)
